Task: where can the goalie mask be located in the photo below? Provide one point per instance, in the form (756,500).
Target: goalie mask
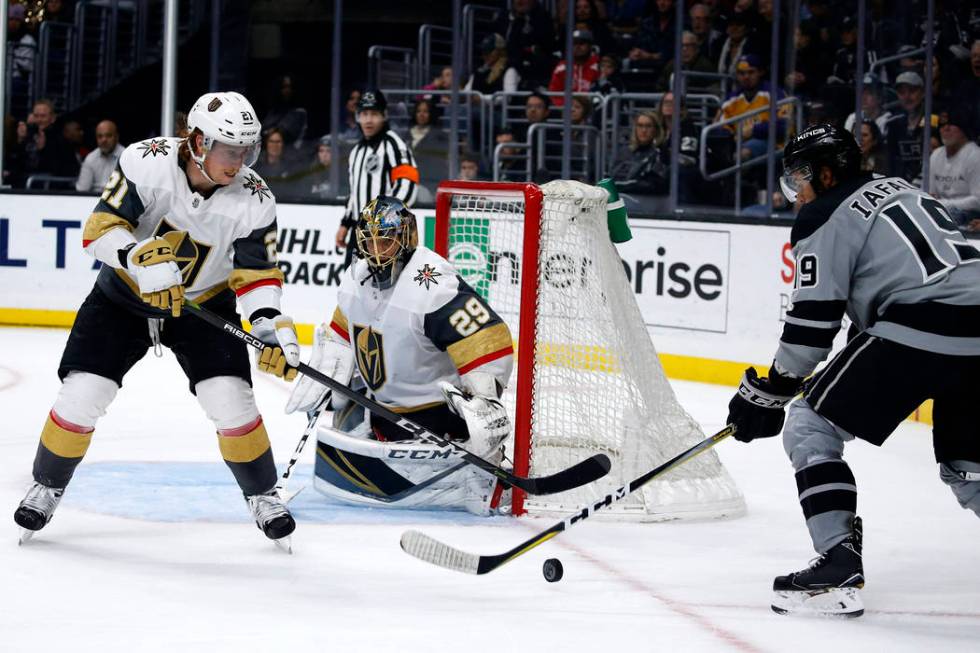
(386,237)
(232,133)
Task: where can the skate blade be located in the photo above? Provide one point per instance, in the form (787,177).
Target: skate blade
(25,535)
(284,544)
(837,602)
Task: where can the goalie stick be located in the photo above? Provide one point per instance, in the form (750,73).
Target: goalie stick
(313,417)
(433,551)
(582,472)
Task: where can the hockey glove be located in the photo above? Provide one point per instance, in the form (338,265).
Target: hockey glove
(281,334)
(153,264)
(758,409)
(333,358)
(486,418)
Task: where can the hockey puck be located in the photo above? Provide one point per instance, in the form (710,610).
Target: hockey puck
(552,570)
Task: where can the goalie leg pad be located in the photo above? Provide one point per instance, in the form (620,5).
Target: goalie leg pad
(963,478)
(826,486)
(397,474)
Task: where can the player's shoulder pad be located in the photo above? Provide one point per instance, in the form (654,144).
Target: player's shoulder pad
(817,213)
(427,282)
(150,163)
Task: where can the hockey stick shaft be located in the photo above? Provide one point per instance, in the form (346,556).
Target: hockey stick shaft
(430,550)
(583,472)
(311,424)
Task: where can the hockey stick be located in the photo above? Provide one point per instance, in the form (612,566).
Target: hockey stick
(311,424)
(582,472)
(433,551)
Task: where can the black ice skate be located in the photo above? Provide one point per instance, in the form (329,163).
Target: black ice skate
(829,586)
(272,517)
(36,509)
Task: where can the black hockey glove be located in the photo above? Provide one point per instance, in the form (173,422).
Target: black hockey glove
(758,409)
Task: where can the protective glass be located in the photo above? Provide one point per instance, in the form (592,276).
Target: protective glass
(233,156)
(792,181)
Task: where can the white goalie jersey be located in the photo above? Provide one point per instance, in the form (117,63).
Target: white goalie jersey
(430,326)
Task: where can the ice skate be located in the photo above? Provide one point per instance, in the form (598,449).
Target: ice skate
(36,509)
(272,518)
(829,586)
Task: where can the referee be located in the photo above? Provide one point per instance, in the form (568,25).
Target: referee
(380,164)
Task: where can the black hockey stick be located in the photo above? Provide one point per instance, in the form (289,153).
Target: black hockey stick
(582,472)
(433,551)
(312,419)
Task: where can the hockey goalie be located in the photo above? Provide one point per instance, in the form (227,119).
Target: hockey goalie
(412,335)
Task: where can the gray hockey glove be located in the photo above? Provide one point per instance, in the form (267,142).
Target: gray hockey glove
(279,332)
(331,357)
(486,418)
(758,409)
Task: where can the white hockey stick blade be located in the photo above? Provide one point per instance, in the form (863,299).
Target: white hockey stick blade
(287,496)
(836,602)
(427,549)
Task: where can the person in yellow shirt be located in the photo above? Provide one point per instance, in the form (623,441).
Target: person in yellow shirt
(750,94)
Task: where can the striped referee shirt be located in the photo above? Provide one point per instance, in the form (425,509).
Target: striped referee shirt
(380,165)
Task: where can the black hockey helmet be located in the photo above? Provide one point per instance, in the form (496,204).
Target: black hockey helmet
(814,147)
(372,99)
(386,236)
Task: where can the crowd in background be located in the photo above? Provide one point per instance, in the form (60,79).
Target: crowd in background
(627,46)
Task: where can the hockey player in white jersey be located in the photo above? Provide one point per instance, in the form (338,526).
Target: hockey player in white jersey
(180,217)
(889,256)
(423,343)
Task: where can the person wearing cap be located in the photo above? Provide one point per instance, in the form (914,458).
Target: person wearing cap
(752,93)
(871,106)
(905,128)
(735,45)
(585,67)
(845,63)
(954,170)
(496,73)
(691,61)
(318,174)
(380,164)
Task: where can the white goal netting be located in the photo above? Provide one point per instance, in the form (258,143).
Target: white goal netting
(597,384)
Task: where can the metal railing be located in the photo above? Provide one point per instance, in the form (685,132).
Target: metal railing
(47,182)
(391,67)
(473,109)
(740,165)
(477,22)
(506,153)
(587,161)
(20,73)
(434,53)
(53,79)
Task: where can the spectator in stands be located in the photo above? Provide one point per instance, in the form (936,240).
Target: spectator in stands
(585,67)
(44,149)
(496,74)
(581,110)
(286,115)
(845,62)
(954,170)
(319,173)
(57,11)
(905,128)
(609,81)
(74,137)
(688,171)
(508,159)
(823,18)
(751,94)
(811,65)
(735,45)
(968,91)
(530,37)
(349,129)
(430,144)
(273,165)
(587,17)
(444,82)
(693,61)
(469,168)
(874,157)
(655,40)
(710,40)
(101,161)
(536,109)
(22,56)
(871,106)
(623,16)
(638,168)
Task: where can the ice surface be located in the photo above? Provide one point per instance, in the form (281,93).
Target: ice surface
(151,549)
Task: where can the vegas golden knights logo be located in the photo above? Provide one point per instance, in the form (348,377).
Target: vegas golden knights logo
(190,254)
(370,354)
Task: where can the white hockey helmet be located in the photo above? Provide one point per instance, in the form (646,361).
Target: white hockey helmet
(226,118)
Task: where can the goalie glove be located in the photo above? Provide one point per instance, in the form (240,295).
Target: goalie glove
(280,333)
(486,418)
(333,358)
(153,264)
(758,409)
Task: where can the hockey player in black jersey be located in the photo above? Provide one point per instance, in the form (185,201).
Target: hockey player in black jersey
(889,256)
(178,217)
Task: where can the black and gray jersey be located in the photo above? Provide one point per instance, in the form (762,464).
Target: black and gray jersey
(381,165)
(889,256)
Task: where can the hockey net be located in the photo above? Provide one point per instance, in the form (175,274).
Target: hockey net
(587,377)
